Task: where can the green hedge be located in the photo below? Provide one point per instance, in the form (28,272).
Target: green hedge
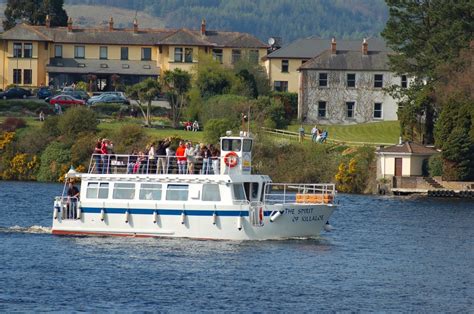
(27,107)
(110,109)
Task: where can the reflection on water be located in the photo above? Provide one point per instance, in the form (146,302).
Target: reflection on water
(385,254)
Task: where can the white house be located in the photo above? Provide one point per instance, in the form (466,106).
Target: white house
(403,160)
(348,86)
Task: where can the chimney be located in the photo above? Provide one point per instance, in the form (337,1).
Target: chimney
(69,25)
(203,27)
(48,21)
(365,47)
(111,24)
(135,25)
(333,46)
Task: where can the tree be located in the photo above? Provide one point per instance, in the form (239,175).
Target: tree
(177,84)
(144,93)
(254,75)
(212,78)
(35,12)
(425,34)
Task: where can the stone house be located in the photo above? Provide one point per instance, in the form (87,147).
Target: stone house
(348,86)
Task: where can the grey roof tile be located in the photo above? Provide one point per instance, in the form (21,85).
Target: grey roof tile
(349,60)
(307,48)
(129,37)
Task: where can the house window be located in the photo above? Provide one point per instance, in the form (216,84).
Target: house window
(58,51)
(94,190)
(378,80)
(79,52)
(217,55)
(253,55)
(17,50)
(378,110)
(236,55)
(27,76)
(16,76)
(351,80)
(149,191)
(28,50)
(177,192)
(124,191)
(123,53)
(178,54)
(404,81)
(280,86)
(323,79)
(350,109)
(211,193)
(103,53)
(146,54)
(188,55)
(284,66)
(321,109)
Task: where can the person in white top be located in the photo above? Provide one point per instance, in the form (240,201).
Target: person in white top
(190,158)
(151,158)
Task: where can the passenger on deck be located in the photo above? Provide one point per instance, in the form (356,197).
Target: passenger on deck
(190,158)
(72,198)
(181,158)
(151,158)
(161,166)
(215,156)
(206,159)
(97,158)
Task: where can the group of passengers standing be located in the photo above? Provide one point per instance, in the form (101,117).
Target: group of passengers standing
(161,158)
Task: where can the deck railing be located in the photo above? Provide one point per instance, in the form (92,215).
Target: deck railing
(66,207)
(286,193)
(136,164)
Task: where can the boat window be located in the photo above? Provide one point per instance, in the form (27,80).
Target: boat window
(94,190)
(177,192)
(211,193)
(239,193)
(124,191)
(247,146)
(254,191)
(231,145)
(150,191)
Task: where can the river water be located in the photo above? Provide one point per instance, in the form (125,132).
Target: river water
(385,254)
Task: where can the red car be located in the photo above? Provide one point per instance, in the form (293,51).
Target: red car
(66,100)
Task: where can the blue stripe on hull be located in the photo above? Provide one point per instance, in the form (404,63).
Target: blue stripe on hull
(169,212)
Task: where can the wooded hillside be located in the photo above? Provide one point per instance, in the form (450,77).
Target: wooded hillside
(288,19)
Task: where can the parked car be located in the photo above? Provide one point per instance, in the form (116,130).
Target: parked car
(108,98)
(66,100)
(44,92)
(78,94)
(15,92)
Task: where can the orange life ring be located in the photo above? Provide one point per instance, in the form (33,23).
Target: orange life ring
(231,159)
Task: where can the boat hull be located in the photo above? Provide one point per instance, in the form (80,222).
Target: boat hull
(289,221)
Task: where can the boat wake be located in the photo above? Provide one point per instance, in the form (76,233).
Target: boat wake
(31,229)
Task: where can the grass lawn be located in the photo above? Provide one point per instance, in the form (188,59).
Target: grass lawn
(155,133)
(375,132)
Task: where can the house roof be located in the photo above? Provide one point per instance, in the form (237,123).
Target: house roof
(408,148)
(84,66)
(353,60)
(146,37)
(307,48)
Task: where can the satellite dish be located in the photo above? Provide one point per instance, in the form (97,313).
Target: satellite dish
(271,41)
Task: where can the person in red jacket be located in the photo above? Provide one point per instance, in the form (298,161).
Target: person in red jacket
(181,157)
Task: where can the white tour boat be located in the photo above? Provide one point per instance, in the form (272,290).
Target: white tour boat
(233,204)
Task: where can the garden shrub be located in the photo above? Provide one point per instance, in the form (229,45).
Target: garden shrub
(75,121)
(435,165)
(12,124)
(215,128)
(55,161)
(129,137)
